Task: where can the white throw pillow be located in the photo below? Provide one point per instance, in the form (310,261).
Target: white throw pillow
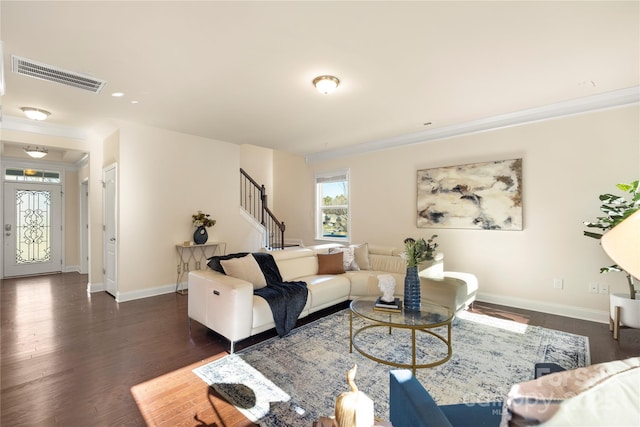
(245,268)
(348,258)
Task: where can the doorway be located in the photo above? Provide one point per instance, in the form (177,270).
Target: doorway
(32,231)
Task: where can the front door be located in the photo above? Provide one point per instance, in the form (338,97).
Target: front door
(32,232)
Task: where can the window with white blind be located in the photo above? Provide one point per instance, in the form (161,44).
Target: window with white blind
(332,206)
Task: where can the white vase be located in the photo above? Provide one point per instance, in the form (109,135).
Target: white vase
(629,309)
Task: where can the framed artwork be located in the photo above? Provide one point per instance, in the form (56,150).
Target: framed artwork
(485,196)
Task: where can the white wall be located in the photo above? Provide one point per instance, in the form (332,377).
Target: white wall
(164,178)
(567,163)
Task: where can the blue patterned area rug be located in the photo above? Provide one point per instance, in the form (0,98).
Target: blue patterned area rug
(294,380)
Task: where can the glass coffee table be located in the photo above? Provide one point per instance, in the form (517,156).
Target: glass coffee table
(430,317)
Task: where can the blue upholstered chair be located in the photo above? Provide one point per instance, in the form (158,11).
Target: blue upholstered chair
(410,405)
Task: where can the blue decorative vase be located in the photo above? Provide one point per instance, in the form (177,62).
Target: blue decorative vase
(200,236)
(412,290)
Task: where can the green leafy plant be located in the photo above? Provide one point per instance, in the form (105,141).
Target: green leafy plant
(616,209)
(417,251)
(202,220)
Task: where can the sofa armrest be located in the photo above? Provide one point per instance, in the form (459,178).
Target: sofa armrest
(410,405)
(449,292)
(222,303)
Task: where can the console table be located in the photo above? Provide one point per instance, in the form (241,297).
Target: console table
(188,254)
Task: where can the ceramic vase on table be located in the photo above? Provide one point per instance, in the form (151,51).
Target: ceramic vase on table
(412,290)
(200,236)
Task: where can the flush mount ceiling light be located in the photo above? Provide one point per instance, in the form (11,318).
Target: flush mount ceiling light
(326,84)
(36,153)
(35,113)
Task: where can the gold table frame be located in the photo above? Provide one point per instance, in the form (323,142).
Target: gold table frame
(429,317)
(188,253)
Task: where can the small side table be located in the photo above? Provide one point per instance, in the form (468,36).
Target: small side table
(188,254)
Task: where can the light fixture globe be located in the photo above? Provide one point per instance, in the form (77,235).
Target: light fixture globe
(35,113)
(36,153)
(326,84)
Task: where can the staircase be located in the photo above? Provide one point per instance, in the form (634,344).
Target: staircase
(253,199)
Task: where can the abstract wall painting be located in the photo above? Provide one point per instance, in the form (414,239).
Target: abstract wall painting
(485,196)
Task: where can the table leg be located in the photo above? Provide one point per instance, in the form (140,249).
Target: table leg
(350,331)
(179,276)
(616,323)
(413,350)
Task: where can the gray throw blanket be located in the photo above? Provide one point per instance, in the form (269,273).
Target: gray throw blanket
(286,299)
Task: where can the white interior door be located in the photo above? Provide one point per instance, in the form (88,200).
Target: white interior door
(84,227)
(32,231)
(110,177)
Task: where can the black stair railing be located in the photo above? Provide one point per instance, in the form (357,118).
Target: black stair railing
(253,199)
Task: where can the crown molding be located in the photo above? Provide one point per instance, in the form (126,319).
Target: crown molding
(31,126)
(607,100)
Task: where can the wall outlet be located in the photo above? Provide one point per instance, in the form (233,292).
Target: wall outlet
(603,288)
(558,284)
(593,288)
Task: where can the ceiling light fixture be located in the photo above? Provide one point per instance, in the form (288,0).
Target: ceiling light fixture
(326,84)
(35,113)
(36,153)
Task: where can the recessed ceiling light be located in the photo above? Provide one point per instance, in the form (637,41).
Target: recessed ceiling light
(135,102)
(35,113)
(117,94)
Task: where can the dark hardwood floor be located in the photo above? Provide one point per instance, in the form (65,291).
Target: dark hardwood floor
(70,358)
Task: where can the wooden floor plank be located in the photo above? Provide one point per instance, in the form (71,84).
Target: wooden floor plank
(69,358)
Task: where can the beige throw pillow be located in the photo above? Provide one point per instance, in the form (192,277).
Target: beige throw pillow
(361,255)
(245,268)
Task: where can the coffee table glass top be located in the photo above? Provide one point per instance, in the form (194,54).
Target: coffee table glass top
(430,314)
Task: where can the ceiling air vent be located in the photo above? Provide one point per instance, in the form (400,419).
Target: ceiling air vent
(37,70)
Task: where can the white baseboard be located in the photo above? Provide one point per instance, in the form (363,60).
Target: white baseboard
(591,315)
(146,293)
(138,294)
(95,287)
(71,269)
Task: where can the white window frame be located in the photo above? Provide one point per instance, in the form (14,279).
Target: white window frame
(327,177)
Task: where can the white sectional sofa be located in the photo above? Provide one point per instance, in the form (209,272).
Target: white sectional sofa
(228,306)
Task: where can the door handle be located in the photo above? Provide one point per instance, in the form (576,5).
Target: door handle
(113,239)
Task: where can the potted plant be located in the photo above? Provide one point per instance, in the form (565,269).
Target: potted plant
(616,209)
(623,309)
(200,221)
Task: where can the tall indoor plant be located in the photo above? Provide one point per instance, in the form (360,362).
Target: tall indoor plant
(616,209)
(415,252)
